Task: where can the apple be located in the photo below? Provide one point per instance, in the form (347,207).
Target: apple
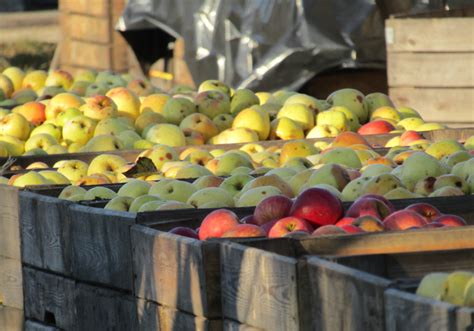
(403,219)
(99,193)
(33,111)
(376,127)
(223,121)
(216,223)
(177,109)
(29,178)
(317,206)
(15,75)
(450,220)
(74,170)
(111,126)
(154,103)
(185,232)
(368,223)
(428,211)
(139,201)
(35,80)
(6,86)
(214,85)
(200,123)
(172,189)
(366,206)
(49,128)
(106,163)
(208,181)
(99,107)
(70,191)
(289,224)
(60,103)
(119,203)
(15,125)
(42,141)
(328,230)
(219,197)
(350,228)
(245,231)
(134,188)
(254,196)
(79,129)
(272,208)
(60,78)
(300,114)
(253,118)
(127,102)
(167,134)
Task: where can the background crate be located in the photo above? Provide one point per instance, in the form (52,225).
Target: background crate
(434,75)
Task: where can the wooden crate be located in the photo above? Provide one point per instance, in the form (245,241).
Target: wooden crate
(11,318)
(89,39)
(362,281)
(434,75)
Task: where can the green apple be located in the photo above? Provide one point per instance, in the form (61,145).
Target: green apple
(401,193)
(343,156)
(381,184)
(35,79)
(353,100)
(14,146)
(216,195)
(147,206)
(330,174)
(70,191)
(141,200)
(106,163)
(418,166)
(172,189)
(212,103)
(16,76)
(128,138)
(223,121)
(111,126)
(253,196)
(73,170)
(235,183)
(15,125)
(242,99)
(30,178)
(166,134)
(214,85)
(119,203)
(99,193)
(176,109)
(79,129)
(59,78)
(55,177)
(376,100)
(42,141)
(312,103)
(134,188)
(353,189)
(49,128)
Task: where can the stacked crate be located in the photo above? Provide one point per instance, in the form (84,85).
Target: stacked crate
(89,39)
(430,64)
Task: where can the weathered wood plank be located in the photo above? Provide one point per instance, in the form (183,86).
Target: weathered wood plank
(101,8)
(464,319)
(11,319)
(406,311)
(49,298)
(409,35)
(9,223)
(234,326)
(437,104)
(104,309)
(259,288)
(176,271)
(173,319)
(101,246)
(88,28)
(11,291)
(335,297)
(430,69)
(389,242)
(45,232)
(35,326)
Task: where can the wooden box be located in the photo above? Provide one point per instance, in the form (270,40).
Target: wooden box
(430,64)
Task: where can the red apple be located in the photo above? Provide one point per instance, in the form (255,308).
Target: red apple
(428,211)
(349,228)
(376,127)
(217,223)
(244,230)
(272,208)
(328,230)
(403,219)
(369,223)
(450,220)
(249,219)
(345,220)
(268,226)
(389,204)
(317,206)
(289,224)
(368,206)
(409,136)
(185,232)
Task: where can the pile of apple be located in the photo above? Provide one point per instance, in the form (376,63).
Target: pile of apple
(456,288)
(318,212)
(59,113)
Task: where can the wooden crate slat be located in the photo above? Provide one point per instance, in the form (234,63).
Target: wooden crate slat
(82,53)
(11,290)
(465,318)
(87,28)
(328,291)
(430,69)
(9,223)
(437,105)
(406,311)
(45,232)
(11,318)
(176,271)
(259,288)
(445,35)
(235,326)
(99,8)
(49,298)
(35,326)
(101,246)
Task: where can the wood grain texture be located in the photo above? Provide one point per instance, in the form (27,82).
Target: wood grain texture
(11,319)
(464,319)
(101,7)
(176,271)
(406,311)
(409,35)
(11,291)
(49,298)
(9,222)
(173,319)
(35,326)
(437,105)
(389,242)
(45,230)
(101,246)
(88,28)
(430,69)
(104,309)
(235,326)
(259,288)
(335,297)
